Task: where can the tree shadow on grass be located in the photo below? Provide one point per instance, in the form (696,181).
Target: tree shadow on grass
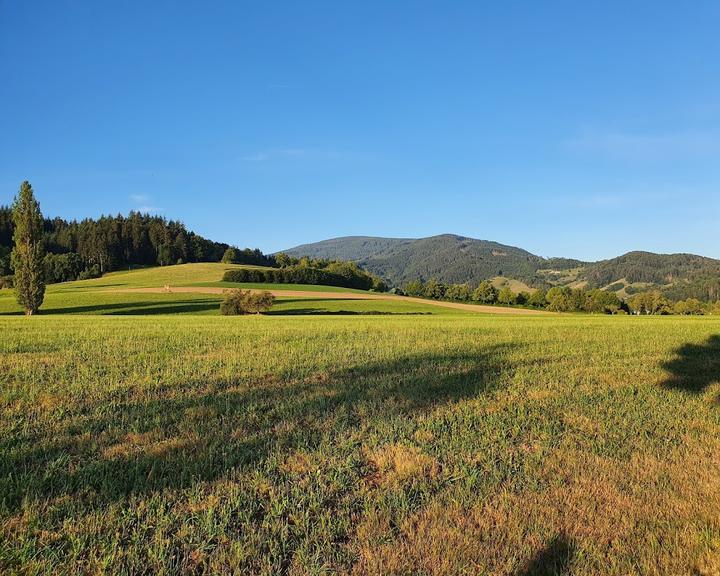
(553,560)
(309,300)
(172,437)
(133,308)
(324,312)
(694,367)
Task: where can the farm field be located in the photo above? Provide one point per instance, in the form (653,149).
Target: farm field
(461,444)
(207,274)
(198,289)
(153,303)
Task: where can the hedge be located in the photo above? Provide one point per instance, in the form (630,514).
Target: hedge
(298,275)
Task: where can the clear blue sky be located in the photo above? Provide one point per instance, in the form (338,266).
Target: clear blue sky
(582,129)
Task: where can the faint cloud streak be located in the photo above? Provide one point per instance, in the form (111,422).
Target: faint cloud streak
(143,204)
(647,146)
(290,154)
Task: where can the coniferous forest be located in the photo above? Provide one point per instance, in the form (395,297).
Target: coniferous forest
(90,247)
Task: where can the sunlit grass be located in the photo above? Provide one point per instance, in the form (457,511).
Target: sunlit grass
(276,286)
(179,275)
(103,302)
(359,444)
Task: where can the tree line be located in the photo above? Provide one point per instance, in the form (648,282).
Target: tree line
(560,299)
(317,271)
(76,250)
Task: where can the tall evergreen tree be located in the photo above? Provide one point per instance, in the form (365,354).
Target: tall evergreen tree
(28,253)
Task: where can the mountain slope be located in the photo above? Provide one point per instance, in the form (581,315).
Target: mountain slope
(447,257)
(456,259)
(652,268)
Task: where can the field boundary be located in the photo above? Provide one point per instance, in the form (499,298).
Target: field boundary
(311,295)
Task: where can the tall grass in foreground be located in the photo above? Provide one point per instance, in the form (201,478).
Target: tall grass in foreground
(388,445)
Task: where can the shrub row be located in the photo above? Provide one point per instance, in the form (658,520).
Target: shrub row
(299,275)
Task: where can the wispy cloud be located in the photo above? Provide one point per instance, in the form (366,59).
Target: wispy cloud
(637,146)
(143,203)
(265,155)
(291,153)
(624,196)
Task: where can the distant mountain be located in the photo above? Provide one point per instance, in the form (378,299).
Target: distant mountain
(652,268)
(455,259)
(447,257)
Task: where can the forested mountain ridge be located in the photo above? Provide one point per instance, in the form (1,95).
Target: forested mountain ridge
(456,259)
(446,257)
(650,267)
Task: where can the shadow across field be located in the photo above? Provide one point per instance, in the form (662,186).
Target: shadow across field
(694,367)
(172,437)
(553,560)
(135,308)
(324,312)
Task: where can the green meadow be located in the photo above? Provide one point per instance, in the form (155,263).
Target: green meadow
(145,434)
(109,295)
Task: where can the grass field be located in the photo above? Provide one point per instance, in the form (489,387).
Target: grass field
(200,274)
(108,295)
(103,302)
(180,275)
(359,445)
(112,295)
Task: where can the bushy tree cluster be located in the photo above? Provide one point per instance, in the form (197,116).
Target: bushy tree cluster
(63,267)
(691,306)
(651,302)
(560,299)
(237,302)
(253,256)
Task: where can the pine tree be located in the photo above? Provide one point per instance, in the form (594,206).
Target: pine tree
(28,254)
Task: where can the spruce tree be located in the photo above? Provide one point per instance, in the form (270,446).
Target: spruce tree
(27,256)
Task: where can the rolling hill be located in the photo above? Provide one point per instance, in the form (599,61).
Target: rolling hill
(455,259)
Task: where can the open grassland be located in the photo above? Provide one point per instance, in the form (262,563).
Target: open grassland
(208,274)
(360,445)
(516,286)
(146,303)
(179,275)
(198,289)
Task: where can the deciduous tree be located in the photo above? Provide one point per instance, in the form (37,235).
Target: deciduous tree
(28,253)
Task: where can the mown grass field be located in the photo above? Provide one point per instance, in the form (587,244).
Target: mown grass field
(359,445)
(109,295)
(200,274)
(102,302)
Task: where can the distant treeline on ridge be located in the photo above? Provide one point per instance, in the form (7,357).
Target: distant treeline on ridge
(89,248)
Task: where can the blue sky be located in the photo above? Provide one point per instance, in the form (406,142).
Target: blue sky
(581,129)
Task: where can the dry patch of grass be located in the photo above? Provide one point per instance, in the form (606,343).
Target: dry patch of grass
(644,516)
(151,444)
(396,464)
